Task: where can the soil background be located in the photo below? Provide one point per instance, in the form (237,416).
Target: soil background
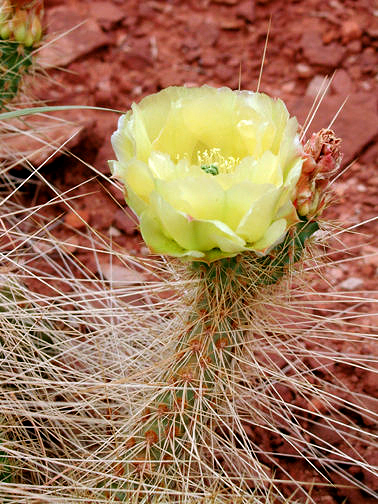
(119,51)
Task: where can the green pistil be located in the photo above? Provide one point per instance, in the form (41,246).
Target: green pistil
(212,169)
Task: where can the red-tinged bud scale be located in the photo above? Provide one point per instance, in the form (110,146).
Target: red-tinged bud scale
(322,160)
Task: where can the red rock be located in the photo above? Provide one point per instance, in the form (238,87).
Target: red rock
(125,220)
(101,212)
(342,83)
(120,275)
(85,36)
(371,386)
(70,244)
(209,60)
(368,59)
(207,34)
(350,30)
(77,219)
(106,13)
(226,2)
(283,392)
(320,54)
(48,135)
(304,71)
(134,60)
(246,9)
(317,82)
(354,47)
(356,124)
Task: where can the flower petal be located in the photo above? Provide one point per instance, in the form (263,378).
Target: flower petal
(123,141)
(137,176)
(201,197)
(240,199)
(194,234)
(273,235)
(259,217)
(159,243)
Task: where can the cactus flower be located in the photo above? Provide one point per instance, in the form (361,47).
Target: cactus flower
(210,173)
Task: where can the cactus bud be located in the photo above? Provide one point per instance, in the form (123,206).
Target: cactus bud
(36,29)
(5,30)
(322,159)
(19,25)
(20,21)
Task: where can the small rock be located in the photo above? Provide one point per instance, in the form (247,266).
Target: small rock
(283,392)
(246,9)
(329,36)
(350,30)
(354,47)
(125,220)
(136,60)
(351,283)
(44,140)
(304,71)
(327,431)
(208,60)
(83,36)
(342,83)
(117,274)
(371,386)
(369,412)
(315,84)
(368,59)
(320,54)
(106,13)
(114,232)
(226,2)
(288,87)
(101,213)
(77,219)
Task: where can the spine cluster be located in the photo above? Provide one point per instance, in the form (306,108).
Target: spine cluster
(173,420)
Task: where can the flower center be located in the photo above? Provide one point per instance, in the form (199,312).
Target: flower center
(212,161)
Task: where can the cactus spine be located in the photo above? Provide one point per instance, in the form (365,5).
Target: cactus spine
(194,382)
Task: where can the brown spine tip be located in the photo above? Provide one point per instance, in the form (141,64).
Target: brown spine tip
(187,374)
(142,465)
(162,409)
(204,361)
(195,345)
(151,437)
(146,414)
(222,343)
(130,442)
(180,404)
(119,469)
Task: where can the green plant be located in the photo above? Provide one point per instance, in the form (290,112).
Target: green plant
(20,33)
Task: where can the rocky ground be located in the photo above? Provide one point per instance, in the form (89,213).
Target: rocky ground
(111,53)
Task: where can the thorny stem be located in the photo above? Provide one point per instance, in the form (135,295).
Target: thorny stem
(192,384)
(204,351)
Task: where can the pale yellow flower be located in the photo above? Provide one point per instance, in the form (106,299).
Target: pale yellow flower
(209,172)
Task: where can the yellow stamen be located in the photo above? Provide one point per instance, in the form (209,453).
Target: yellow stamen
(215,157)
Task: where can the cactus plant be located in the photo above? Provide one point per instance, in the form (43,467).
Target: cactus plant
(20,33)
(139,398)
